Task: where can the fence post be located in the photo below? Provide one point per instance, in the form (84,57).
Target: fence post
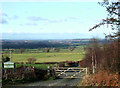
(6,76)
(48,70)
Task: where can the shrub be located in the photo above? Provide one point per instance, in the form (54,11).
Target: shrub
(61,64)
(40,74)
(47,50)
(71,48)
(31,60)
(21,50)
(56,49)
(5,58)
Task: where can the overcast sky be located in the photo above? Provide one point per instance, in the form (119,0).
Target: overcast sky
(51,20)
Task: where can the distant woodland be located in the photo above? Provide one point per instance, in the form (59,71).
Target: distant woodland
(32,44)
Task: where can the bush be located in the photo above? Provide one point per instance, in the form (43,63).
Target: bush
(31,60)
(47,50)
(5,58)
(23,75)
(61,64)
(71,48)
(41,74)
(56,49)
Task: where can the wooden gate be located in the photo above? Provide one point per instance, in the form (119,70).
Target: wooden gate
(70,72)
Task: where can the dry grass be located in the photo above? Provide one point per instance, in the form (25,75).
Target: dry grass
(102,78)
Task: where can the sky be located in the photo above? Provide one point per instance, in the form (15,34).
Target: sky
(51,20)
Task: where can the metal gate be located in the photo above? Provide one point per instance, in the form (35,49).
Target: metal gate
(70,72)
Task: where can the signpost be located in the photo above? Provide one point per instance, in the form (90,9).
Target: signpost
(9,65)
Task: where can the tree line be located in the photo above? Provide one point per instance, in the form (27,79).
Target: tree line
(106,57)
(31,45)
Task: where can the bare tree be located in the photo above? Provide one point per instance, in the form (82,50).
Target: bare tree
(93,56)
(47,50)
(21,50)
(39,49)
(56,49)
(71,48)
(113,20)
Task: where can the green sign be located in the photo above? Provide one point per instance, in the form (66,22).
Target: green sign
(9,65)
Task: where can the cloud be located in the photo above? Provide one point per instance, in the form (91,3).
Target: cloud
(3,14)
(73,18)
(5,18)
(13,17)
(29,24)
(3,21)
(33,18)
(8,17)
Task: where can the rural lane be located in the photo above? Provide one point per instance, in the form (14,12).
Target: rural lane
(57,82)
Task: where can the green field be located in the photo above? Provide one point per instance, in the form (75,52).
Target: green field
(63,55)
(41,66)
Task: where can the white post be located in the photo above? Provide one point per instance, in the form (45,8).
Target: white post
(93,69)
(86,70)
(93,65)
(10,55)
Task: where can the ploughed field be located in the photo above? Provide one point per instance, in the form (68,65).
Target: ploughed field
(52,56)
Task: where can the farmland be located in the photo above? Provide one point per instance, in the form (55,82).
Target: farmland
(24,49)
(41,56)
(39,66)
(62,55)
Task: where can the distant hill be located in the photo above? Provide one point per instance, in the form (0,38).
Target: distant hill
(31,44)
